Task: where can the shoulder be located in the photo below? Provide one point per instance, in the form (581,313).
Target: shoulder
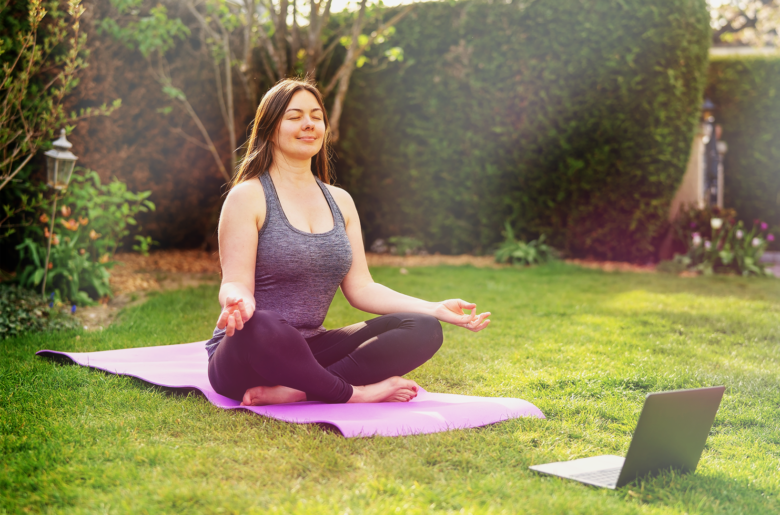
(247,197)
(343,200)
(340,195)
(246,191)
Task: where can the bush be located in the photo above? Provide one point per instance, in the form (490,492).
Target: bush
(23,310)
(404,245)
(747,97)
(569,118)
(522,253)
(717,242)
(91,221)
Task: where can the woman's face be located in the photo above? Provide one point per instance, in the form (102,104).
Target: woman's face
(302,128)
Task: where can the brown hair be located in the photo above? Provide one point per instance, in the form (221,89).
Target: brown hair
(259,149)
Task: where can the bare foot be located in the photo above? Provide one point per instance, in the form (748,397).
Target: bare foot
(394,389)
(265,395)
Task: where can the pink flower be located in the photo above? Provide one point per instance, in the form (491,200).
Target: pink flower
(770,237)
(739,234)
(696,237)
(764,226)
(693,225)
(756,242)
(707,244)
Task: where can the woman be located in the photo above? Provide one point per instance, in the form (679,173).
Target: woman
(287,241)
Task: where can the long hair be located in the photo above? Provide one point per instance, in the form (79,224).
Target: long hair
(260,147)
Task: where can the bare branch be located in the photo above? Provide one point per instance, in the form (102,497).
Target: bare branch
(189,138)
(18,169)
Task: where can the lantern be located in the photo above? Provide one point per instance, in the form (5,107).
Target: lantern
(59,163)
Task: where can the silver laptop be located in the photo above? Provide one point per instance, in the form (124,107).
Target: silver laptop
(671,433)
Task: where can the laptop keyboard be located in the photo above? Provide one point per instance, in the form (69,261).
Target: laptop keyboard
(604,477)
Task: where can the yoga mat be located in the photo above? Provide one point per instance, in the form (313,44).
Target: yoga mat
(185,366)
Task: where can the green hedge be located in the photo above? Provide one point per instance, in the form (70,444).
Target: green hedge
(570,118)
(746,92)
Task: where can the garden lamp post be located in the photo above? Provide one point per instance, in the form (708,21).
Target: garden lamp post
(711,155)
(59,167)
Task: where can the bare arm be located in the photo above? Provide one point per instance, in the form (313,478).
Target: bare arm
(363,293)
(242,214)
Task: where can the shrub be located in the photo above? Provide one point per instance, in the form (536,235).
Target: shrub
(717,242)
(520,253)
(404,245)
(746,94)
(570,118)
(91,221)
(23,310)
(41,53)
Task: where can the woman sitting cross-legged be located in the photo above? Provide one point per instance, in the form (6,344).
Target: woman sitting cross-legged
(287,241)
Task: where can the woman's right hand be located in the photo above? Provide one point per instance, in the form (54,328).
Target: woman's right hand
(235,314)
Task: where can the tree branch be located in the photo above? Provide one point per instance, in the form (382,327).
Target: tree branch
(353,53)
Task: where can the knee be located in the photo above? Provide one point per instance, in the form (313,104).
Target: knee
(265,318)
(430,334)
(261,322)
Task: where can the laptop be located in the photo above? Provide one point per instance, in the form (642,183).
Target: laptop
(671,433)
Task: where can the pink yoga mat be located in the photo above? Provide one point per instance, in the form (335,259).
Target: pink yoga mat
(185,366)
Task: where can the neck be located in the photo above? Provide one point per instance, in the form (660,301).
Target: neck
(295,172)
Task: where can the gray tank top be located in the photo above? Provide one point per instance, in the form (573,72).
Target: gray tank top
(297,273)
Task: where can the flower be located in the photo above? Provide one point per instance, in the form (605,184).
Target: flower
(83,220)
(55,240)
(693,225)
(764,226)
(770,237)
(739,234)
(707,244)
(103,259)
(93,234)
(45,232)
(44,218)
(82,251)
(696,239)
(716,223)
(756,242)
(70,224)
(51,265)
(65,210)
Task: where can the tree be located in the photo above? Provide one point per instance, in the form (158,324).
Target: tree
(745,22)
(266,40)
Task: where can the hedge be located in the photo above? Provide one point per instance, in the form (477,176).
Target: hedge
(570,118)
(746,92)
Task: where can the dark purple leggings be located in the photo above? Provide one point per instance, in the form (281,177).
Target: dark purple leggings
(269,352)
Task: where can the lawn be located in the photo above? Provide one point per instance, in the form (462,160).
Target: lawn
(584,346)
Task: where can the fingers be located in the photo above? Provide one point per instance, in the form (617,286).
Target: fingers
(239,320)
(222,320)
(479,323)
(466,305)
(230,329)
(235,313)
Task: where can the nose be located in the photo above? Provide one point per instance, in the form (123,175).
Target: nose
(308,123)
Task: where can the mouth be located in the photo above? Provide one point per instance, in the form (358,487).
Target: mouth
(307,139)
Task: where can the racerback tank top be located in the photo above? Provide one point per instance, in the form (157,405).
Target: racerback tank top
(297,273)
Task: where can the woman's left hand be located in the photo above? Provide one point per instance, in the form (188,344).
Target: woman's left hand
(451,311)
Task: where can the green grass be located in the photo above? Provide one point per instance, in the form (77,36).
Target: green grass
(584,346)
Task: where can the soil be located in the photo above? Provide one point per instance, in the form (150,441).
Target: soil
(135,275)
